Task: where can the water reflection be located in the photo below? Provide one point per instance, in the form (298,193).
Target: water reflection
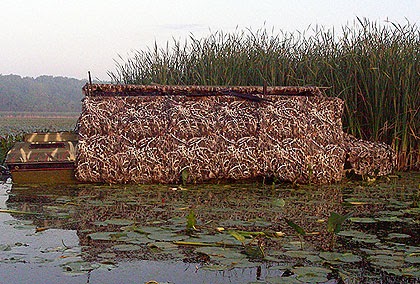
(134,232)
(29,257)
(5,188)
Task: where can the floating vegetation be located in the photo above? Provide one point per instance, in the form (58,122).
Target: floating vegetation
(78,267)
(231,227)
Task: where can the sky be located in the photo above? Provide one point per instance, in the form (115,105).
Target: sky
(71,37)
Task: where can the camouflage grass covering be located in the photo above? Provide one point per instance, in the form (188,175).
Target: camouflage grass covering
(163,134)
(44,148)
(367,158)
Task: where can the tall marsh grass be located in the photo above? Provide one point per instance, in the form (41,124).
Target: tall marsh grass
(374,67)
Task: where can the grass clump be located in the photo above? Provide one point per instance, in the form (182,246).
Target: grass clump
(374,67)
(6,143)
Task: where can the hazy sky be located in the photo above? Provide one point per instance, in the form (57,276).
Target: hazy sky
(70,37)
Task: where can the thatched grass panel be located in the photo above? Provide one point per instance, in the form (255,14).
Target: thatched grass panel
(301,139)
(120,162)
(149,164)
(197,157)
(225,116)
(367,158)
(326,165)
(239,160)
(324,120)
(302,161)
(147,139)
(162,134)
(237,118)
(90,158)
(126,117)
(190,118)
(211,157)
(312,118)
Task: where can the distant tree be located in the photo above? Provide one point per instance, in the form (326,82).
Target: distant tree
(41,94)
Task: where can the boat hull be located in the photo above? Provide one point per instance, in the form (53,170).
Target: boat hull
(46,176)
(43,158)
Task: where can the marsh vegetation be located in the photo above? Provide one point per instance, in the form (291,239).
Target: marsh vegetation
(374,67)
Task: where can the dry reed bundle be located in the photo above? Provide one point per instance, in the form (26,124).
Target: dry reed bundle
(367,158)
(156,134)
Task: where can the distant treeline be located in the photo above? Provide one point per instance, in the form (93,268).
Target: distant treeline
(41,94)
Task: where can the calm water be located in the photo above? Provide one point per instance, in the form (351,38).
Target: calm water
(133,234)
(27,256)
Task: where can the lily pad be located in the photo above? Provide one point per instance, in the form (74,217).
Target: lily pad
(299,253)
(360,236)
(126,247)
(378,251)
(389,219)
(282,280)
(211,239)
(415,210)
(387,261)
(13,259)
(271,258)
(245,263)
(311,274)
(218,252)
(260,223)
(293,245)
(365,240)
(308,278)
(411,271)
(78,267)
(149,230)
(413,250)
(166,237)
(356,234)
(390,213)
(107,255)
(238,262)
(282,267)
(100,223)
(342,257)
(166,246)
(24,227)
(18,222)
(106,236)
(413,259)
(136,238)
(177,220)
(38,259)
(362,220)
(314,259)
(398,236)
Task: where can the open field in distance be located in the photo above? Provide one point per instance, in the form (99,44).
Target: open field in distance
(16,123)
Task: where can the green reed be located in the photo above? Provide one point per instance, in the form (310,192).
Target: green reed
(6,143)
(374,67)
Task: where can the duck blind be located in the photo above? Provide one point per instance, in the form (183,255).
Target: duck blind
(160,134)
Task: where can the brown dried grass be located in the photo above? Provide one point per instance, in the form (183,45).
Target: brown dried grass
(152,134)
